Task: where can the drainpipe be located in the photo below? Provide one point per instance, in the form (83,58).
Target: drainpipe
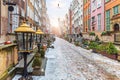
(8,31)
(26,9)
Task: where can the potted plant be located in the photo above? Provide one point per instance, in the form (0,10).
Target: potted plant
(111,49)
(36,66)
(48,43)
(42,52)
(106,33)
(15,41)
(93,46)
(37,55)
(92,34)
(102,48)
(85,44)
(36,63)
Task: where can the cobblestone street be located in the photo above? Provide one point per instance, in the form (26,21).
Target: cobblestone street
(68,62)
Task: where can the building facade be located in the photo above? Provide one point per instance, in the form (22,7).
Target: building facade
(34,11)
(86,14)
(48,25)
(97,15)
(70,21)
(112,15)
(3,22)
(77,16)
(67,24)
(44,15)
(80,11)
(8,53)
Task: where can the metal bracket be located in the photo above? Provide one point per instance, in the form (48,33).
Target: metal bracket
(7,3)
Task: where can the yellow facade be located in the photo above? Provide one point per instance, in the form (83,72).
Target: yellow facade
(4,22)
(114,18)
(8,59)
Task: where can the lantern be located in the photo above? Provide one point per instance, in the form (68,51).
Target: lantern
(24,37)
(39,36)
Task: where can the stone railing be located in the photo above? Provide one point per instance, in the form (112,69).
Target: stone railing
(8,59)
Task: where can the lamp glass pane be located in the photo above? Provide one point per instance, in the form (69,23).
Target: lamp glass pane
(25,41)
(20,41)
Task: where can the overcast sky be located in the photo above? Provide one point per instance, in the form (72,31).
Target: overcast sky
(56,12)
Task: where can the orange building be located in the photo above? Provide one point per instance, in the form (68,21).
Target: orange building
(112,15)
(86,14)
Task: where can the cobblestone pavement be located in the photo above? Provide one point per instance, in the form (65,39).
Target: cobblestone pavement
(68,62)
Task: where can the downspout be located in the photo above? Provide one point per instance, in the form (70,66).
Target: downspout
(26,9)
(8,31)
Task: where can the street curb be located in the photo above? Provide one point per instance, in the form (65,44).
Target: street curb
(43,66)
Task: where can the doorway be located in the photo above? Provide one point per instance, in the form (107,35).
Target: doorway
(116,27)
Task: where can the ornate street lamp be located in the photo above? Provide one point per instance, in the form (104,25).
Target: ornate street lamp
(39,38)
(24,37)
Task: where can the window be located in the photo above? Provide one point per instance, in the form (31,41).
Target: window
(107,0)
(99,22)
(85,1)
(99,3)
(93,19)
(89,10)
(115,9)
(108,20)
(89,24)
(93,5)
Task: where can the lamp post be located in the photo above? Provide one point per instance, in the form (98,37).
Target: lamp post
(24,37)
(39,38)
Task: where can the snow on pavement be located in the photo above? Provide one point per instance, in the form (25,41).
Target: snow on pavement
(68,62)
(111,66)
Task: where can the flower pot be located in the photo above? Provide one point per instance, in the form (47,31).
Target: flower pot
(7,42)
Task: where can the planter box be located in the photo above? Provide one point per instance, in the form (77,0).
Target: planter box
(40,71)
(36,71)
(112,56)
